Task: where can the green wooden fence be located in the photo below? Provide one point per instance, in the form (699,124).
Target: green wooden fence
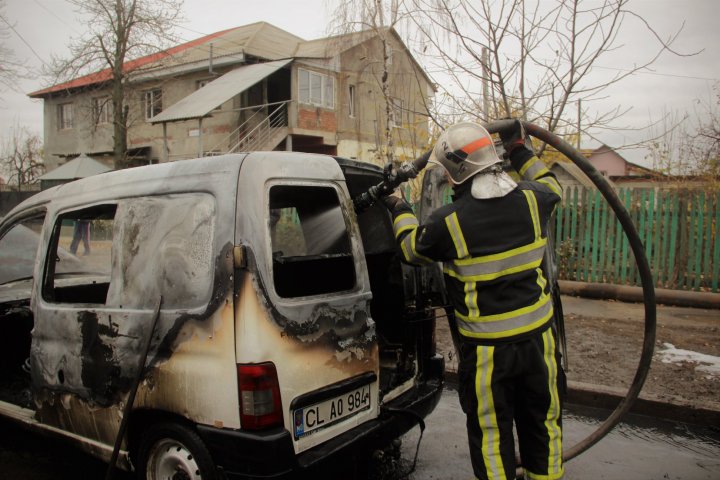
(680,230)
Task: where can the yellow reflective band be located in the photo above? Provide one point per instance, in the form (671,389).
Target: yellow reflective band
(486,412)
(553,184)
(407,245)
(535,476)
(490,267)
(541,281)
(526,166)
(403,223)
(534,214)
(555,466)
(506,324)
(534,169)
(471,297)
(458,239)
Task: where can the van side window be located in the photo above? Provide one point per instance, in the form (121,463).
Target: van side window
(311,247)
(18,248)
(78,266)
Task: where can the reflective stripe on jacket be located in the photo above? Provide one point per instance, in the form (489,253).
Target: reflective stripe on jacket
(493,251)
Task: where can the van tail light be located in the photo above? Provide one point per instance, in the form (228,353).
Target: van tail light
(259,392)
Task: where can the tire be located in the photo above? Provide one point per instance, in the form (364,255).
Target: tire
(170,451)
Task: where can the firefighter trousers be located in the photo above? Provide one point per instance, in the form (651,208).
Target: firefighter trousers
(513,382)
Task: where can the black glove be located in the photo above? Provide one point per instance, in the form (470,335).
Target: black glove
(513,137)
(391,202)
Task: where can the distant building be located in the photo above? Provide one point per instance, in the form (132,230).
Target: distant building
(611,164)
(254,87)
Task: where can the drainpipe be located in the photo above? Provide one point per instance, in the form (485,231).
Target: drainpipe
(166,150)
(200,146)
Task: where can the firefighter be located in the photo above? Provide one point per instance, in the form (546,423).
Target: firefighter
(491,240)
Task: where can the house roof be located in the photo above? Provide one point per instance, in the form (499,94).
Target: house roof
(260,39)
(331,46)
(80,167)
(203,101)
(575,172)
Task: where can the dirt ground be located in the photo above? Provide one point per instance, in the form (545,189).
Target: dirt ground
(604,343)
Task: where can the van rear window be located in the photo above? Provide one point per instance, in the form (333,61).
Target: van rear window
(311,247)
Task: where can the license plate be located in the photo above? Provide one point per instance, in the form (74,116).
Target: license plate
(324,414)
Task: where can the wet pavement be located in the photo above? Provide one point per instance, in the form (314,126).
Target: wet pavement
(641,448)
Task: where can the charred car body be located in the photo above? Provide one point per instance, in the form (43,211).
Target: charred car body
(287,328)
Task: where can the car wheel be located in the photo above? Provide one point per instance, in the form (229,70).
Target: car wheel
(170,451)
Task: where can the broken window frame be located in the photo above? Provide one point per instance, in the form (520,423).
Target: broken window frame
(319,267)
(91,291)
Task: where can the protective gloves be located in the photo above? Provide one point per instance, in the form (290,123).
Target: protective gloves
(391,202)
(513,137)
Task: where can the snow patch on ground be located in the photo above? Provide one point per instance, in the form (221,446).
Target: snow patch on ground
(709,364)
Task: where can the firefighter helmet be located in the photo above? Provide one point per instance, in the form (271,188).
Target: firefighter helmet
(465,149)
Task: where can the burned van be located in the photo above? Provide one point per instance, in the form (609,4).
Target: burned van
(224,317)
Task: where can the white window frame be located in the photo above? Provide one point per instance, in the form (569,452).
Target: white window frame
(102,110)
(396,112)
(152,102)
(319,91)
(352,92)
(66,116)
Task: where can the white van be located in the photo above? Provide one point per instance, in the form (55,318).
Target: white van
(281,327)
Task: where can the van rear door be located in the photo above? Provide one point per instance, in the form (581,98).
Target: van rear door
(303,300)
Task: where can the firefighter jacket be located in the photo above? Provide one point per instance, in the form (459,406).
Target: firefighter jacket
(492,252)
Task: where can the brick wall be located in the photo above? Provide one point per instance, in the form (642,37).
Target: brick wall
(317,119)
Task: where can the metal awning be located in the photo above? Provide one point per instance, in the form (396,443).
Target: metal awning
(203,101)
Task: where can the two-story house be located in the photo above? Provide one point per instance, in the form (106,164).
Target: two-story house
(254,87)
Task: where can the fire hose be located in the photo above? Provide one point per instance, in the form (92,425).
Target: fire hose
(409,170)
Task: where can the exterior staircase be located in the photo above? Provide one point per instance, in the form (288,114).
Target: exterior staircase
(264,135)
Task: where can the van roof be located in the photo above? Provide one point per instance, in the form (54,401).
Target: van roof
(201,174)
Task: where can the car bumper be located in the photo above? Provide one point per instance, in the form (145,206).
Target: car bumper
(243,455)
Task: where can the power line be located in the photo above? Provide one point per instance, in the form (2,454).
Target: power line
(22,39)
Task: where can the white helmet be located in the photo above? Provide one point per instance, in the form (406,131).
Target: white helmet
(465,149)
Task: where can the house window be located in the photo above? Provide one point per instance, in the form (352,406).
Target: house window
(351,101)
(396,110)
(153,102)
(65,116)
(316,89)
(102,110)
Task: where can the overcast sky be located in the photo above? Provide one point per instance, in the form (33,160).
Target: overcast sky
(43,27)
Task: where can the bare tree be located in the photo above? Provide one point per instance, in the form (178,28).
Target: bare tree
(667,147)
(118,31)
(378,16)
(11,68)
(534,59)
(21,157)
(704,145)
